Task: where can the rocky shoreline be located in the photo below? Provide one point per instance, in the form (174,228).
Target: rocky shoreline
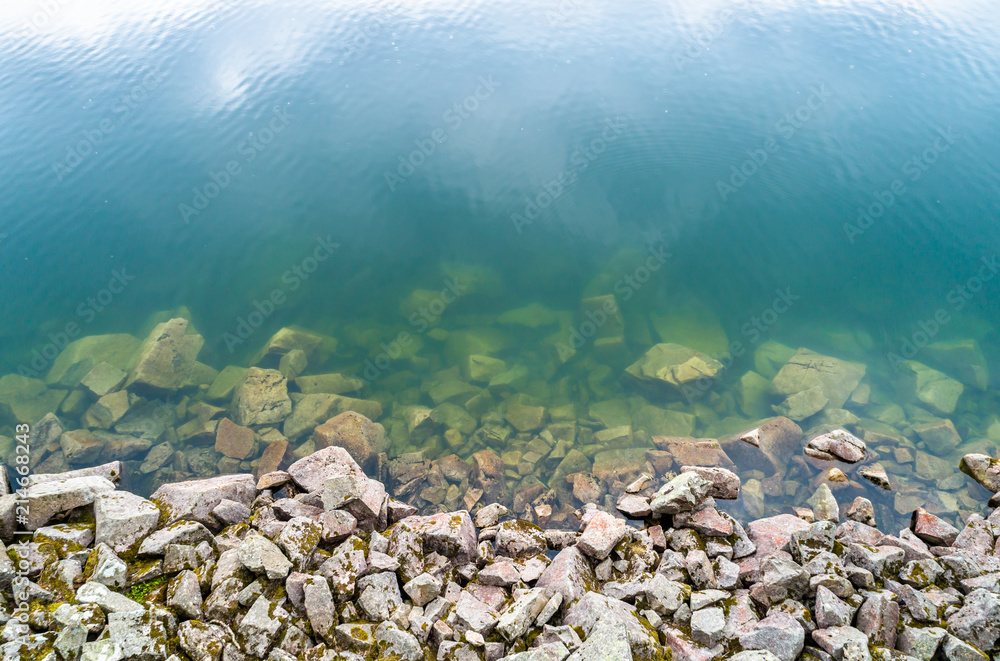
(318,562)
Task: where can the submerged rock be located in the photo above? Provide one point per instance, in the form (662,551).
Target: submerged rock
(835,378)
(167,357)
(261,398)
(676,368)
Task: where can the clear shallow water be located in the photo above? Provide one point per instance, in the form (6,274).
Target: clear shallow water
(201,148)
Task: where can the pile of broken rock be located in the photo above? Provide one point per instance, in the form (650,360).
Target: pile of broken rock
(318,563)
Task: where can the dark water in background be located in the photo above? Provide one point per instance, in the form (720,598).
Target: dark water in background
(624,124)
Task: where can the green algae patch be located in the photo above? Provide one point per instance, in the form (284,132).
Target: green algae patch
(141,591)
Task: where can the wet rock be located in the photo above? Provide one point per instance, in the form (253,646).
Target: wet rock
(633,506)
(935,389)
(569,574)
(725,483)
(311,472)
(932,529)
(194,500)
(261,398)
(123,519)
(488,475)
(876,474)
(841,444)
(778,633)
(108,410)
(233,440)
(939,435)
(601,535)
(81,356)
(824,505)
(862,511)
(674,368)
(167,358)
(802,405)
(983,469)
(681,494)
(46,499)
(835,378)
(361,437)
(768,447)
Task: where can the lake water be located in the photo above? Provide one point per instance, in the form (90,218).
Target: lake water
(760,173)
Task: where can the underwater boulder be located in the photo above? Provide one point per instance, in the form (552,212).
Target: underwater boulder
(166,359)
(675,369)
(807,369)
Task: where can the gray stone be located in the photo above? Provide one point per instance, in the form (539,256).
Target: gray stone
(378,595)
(394,643)
(182,532)
(262,556)
(261,398)
(594,611)
(707,626)
(258,630)
(830,611)
(138,635)
(681,494)
(194,500)
(878,619)
(515,621)
(184,594)
(423,589)
(921,643)
(602,534)
(311,473)
(46,499)
(123,519)
(978,621)
(778,633)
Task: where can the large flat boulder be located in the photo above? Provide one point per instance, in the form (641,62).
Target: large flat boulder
(47,499)
(674,368)
(194,500)
(311,473)
(261,398)
(835,378)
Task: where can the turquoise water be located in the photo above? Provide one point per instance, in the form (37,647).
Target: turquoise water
(822,176)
